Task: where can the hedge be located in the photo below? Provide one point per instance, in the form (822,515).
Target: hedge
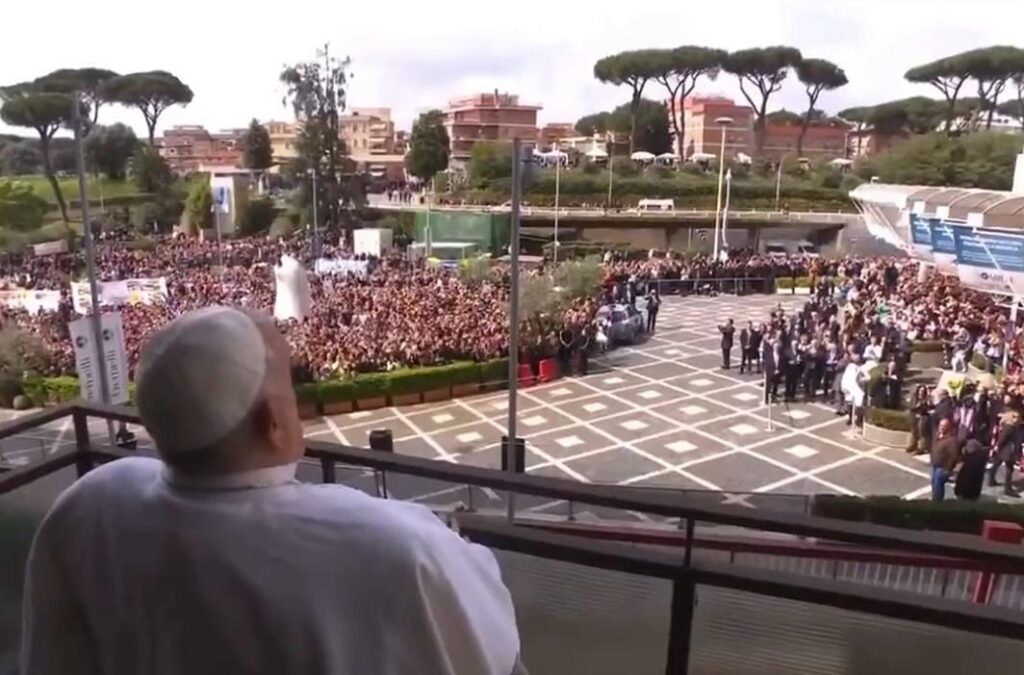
(927,346)
(787,283)
(56,390)
(961,516)
(891,420)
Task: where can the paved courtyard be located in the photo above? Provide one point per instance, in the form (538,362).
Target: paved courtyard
(660,414)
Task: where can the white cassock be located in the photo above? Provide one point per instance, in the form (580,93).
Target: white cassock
(292,295)
(852,391)
(137,571)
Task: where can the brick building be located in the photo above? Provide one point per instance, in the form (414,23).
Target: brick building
(488,117)
(191,147)
(368,131)
(820,142)
(701,135)
(555,132)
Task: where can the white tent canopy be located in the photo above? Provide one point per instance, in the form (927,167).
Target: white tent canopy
(642,156)
(596,152)
(702,157)
(839,161)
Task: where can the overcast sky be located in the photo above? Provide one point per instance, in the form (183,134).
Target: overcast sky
(413,56)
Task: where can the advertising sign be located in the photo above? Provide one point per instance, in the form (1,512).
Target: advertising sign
(921,237)
(989,261)
(943,246)
(358,268)
(110,355)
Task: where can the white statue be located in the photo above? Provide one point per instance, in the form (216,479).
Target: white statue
(292,299)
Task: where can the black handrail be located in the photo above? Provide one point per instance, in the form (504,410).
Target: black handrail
(966,547)
(651,562)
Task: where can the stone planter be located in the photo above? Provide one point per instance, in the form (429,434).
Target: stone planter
(493,386)
(308,411)
(465,389)
(927,359)
(337,407)
(442,394)
(405,399)
(887,437)
(790,291)
(370,403)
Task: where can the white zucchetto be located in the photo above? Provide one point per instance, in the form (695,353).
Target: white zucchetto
(198,377)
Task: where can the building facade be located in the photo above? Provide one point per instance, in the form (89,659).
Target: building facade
(555,133)
(191,147)
(283,139)
(368,131)
(488,117)
(703,136)
(820,142)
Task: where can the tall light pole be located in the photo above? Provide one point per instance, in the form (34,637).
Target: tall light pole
(316,221)
(513,316)
(426,230)
(558,175)
(723,123)
(725,213)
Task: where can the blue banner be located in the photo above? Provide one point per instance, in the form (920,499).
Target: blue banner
(989,250)
(920,230)
(942,237)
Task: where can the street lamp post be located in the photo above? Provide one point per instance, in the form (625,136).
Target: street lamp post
(316,221)
(725,212)
(558,174)
(723,123)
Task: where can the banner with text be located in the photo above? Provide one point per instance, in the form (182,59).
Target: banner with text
(990,261)
(117,293)
(31,301)
(943,246)
(358,268)
(921,237)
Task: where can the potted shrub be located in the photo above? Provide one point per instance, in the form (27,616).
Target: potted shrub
(336,397)
(370,390)
(493,375)
(465,378)
(405,386)
(307,395)
(436,383)
(928,354)
(888,427)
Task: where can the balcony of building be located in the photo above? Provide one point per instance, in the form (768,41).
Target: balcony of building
(701,587)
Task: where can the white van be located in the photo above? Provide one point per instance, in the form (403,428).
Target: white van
(784,248)
(656,205)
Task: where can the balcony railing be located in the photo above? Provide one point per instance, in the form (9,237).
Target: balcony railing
(611,607)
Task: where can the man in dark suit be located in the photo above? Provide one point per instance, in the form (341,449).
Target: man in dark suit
(745,361)
(727,331)
(771,357)
(756,338)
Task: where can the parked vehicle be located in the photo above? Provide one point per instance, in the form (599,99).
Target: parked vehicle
(620,323)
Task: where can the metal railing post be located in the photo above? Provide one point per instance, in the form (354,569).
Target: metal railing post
(688,554)
(680,629)
(328,471)
(84,462)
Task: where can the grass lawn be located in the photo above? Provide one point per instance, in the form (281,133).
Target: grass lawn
(69,187)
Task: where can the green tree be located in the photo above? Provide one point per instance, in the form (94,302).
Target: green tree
(982,160)
(199,203)
(17,159)
(647,123)
(678,71)
(24,105)
(915,115)
(150,172)
(21,209)
(1013,109)
(151,92)
(764,69)
(257,216)
(257,152)
(593,125)
(817,75)
(631,68)
(579,278)
(489,160)
(948,75)
(992,68)
(88,82)
(316,90)
(428,146)
(108,149)
(783,116)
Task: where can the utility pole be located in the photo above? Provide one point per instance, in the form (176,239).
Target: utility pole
(513,317)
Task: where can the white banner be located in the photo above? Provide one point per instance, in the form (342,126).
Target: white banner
(51,247)
(357,268)
(117,293)
(31,301)
(112,354)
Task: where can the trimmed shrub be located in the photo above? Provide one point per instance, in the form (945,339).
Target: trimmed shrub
(927,346)
(493,371)
(52,390)
(332,391)
(948,516)
(787,283)
(890,420)
(308,392)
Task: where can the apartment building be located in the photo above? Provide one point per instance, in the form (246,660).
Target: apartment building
(489,117)
(368,131)
(190,147)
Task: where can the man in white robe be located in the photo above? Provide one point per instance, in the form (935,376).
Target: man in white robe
(213,559)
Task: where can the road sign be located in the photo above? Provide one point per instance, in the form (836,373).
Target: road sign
(221,197)
(112,352)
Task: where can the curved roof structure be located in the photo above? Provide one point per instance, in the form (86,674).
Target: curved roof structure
(991,208)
